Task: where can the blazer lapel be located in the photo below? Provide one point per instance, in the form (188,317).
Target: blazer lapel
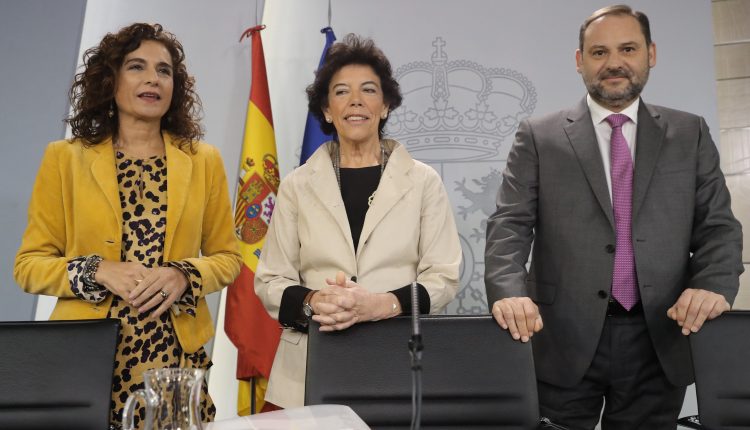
(393,185)
(649,138)
(179,172)
(323,185)
(582,137)
(104,171)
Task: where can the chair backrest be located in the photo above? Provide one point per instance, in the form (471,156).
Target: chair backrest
(721,356)
(474,374)
(56,374)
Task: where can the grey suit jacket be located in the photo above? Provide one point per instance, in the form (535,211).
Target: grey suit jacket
(554,193)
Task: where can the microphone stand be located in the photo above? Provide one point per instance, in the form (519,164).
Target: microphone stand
(415,350)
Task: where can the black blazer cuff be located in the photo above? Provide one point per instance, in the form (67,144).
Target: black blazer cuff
(403,295)
(290,310)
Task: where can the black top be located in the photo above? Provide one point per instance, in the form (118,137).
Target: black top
(357,186)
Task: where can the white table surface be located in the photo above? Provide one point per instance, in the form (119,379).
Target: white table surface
(318,417)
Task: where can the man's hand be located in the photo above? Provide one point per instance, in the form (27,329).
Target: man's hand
(696,306)
(519,315)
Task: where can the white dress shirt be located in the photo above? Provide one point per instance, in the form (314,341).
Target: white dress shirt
(604,132)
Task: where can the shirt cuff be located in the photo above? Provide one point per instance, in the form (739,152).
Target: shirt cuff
(290,310)
(403,295)
(92,293)
(187,302)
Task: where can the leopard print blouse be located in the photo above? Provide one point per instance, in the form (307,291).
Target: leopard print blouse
(144,344)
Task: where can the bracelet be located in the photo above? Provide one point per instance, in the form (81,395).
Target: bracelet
(394,309)
(89,271)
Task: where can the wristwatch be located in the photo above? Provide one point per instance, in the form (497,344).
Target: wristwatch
(306,306)
(308,310)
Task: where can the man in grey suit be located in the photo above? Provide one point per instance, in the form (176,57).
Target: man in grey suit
(634,241)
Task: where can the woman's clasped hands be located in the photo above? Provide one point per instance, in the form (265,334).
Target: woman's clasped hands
(343,302)
(146,289)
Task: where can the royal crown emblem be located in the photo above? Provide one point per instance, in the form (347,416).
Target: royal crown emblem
(460,117)
(458,111)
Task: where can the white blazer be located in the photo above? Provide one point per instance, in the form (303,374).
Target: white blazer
(409,234)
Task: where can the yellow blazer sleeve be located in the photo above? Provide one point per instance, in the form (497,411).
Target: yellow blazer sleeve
(220,259)
(40,265)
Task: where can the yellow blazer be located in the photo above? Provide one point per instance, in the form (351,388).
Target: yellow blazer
(75,211)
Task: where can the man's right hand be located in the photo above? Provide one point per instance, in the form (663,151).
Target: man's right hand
(519,315)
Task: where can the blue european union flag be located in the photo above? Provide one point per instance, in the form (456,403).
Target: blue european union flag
(314,136)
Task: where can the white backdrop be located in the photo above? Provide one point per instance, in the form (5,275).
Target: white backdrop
(521,52)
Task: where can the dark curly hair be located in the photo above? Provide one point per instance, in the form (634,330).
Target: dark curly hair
(353,49)
(93,92)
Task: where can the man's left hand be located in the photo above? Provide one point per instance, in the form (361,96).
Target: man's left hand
(696,306)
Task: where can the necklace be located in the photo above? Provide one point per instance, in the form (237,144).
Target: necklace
(337,163)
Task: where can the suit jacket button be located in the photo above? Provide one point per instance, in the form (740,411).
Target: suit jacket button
(610,249)
(602,294)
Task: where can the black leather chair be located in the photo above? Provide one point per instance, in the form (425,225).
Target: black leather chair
(474,374)
(56,374)
(721,357)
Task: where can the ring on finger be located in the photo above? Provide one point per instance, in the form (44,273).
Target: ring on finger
(164,294)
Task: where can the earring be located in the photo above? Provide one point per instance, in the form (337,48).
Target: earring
(329,120)
(111,111)
(384,115)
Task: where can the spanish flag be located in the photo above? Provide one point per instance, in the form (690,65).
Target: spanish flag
(247,324)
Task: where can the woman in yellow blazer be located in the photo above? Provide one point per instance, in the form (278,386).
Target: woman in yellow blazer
(357,224)
(131,218)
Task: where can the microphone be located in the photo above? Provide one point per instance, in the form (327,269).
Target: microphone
(415,314)
(415,350)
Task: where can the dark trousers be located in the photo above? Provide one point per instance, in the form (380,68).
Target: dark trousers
(625,377)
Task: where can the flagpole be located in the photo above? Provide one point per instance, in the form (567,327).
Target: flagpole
(252,396)
(253,410)
(329,13)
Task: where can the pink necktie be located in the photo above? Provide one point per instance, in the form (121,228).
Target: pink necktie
(624,282)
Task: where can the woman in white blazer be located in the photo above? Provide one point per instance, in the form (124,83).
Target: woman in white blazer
(355,225)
